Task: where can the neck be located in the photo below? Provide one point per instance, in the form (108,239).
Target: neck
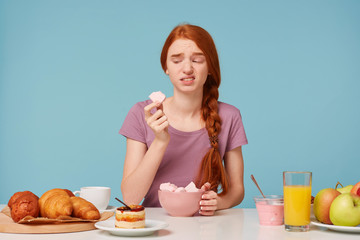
(186,105)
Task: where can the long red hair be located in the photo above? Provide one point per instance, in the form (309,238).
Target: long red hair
(211,169)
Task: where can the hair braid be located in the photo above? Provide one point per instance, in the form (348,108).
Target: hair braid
(212,169)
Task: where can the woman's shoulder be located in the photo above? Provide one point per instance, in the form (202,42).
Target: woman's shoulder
(140,105)
(226,109)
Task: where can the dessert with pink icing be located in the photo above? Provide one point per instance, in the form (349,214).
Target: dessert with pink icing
(173,188)
(157,97)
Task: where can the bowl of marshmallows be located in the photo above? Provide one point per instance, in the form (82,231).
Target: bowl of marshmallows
(180,201)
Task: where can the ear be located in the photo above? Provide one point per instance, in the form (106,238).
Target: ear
(167,72)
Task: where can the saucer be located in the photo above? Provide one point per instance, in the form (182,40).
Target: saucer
(150,227)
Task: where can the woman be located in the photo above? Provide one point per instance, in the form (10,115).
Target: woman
(186,137)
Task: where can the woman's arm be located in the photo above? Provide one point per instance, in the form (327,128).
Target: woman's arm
(234,167)
(141,164)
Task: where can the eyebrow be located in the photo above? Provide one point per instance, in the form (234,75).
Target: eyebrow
(176,55)
(198,54)
(181,54)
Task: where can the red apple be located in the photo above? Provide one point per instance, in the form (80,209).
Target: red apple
(356,189)
(322,203)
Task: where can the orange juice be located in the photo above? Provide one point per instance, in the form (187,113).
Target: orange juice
(297,202)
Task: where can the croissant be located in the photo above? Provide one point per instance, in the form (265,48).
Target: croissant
(55,203)
(70,193)
(84,209)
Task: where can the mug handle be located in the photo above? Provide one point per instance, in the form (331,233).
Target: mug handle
(76,192)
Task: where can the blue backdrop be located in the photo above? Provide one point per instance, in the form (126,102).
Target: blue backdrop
(71,70)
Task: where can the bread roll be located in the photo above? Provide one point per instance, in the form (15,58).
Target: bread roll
(84,209)
(16,196)
(55,203)
(23,204)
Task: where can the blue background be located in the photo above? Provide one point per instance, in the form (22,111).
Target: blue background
(71,70)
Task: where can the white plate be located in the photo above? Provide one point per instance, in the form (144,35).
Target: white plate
(150,227)
(337,228)
(108,209)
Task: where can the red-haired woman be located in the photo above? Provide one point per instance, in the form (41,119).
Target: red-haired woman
(191,136)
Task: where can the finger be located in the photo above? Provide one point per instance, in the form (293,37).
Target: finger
(164,125)
(211,202)
(147,109)
(151,120)
(207,213)
(160,124)
(206,186)
(159,113)
(209,195)
(208,208)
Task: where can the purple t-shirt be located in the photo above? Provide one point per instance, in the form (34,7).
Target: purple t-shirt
(185,151)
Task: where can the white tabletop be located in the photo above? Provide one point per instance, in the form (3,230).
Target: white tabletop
(225,225)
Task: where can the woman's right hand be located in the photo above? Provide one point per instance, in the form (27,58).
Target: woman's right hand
(158,121)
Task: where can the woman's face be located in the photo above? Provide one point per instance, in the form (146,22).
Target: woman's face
(186,66)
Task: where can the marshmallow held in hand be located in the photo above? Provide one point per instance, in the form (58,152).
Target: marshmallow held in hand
(173,188)
(157,97)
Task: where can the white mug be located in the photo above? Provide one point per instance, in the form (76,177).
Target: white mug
(99,196)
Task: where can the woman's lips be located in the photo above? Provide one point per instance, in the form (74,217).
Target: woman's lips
(187,80)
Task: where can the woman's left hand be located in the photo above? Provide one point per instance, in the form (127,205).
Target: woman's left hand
(209,201)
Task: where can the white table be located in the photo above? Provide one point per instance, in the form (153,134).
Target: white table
(225,225)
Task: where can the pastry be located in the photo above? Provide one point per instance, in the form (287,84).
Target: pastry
(16,196)
(70,193)
(130,218)
(55,203)
(84,209)
(23,204)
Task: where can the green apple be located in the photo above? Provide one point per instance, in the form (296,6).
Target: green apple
(322,203)
(345,210)
(346,189)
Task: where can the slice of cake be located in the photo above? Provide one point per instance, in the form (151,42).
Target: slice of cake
(130,218)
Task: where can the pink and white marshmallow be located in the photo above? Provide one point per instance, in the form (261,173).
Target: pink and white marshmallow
(157,97)
(180,189)
(191,187)
(168,187)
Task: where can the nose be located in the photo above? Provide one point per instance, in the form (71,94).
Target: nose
(187,67)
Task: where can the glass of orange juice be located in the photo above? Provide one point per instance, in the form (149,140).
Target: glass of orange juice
(297,201)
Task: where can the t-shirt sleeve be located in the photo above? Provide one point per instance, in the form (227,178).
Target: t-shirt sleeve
(133,126)
(237,136)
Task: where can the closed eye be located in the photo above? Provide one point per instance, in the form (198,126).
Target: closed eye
(198,59)
(176,60)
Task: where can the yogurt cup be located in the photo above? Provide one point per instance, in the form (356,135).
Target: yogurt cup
(270,209)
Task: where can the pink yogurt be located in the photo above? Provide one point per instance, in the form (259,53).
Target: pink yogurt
(270,210)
